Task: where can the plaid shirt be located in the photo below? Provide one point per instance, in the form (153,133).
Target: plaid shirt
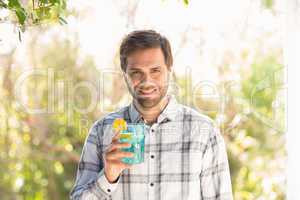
(185,159)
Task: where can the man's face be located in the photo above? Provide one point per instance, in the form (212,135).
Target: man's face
(147,76)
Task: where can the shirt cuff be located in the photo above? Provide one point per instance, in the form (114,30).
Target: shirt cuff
(106,186)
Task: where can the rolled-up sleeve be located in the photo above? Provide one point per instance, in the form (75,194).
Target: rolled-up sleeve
(91,182)
(215,175)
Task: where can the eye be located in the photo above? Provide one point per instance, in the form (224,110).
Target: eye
(135,74)
(156,70)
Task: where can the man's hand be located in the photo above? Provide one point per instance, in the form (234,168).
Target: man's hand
(113,166)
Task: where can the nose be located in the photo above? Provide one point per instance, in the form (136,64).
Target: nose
(146,82)
(146,77)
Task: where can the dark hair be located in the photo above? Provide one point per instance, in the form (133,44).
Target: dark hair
(144,39)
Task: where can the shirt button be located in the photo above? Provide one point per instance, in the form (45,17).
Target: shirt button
(152,130)
(151,184)
(108,190)
(152,156)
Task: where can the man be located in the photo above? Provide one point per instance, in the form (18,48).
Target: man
(185,155)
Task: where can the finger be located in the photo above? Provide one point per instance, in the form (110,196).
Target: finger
(121,164)
(118,145)
(116,155)
(116,136)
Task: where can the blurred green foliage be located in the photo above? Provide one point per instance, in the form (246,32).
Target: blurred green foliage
(34,12)
(39,152)
(45,11)
(252,126)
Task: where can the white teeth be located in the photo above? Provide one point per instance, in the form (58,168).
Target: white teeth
(147,92)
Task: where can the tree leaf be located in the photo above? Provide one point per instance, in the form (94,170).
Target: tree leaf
(18,9)
(21,14)
(186,2)
(268,3)
(3,5)
(14,4)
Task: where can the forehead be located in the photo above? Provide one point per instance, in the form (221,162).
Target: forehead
(146,57)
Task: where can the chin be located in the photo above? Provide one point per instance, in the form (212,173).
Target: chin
(149,102)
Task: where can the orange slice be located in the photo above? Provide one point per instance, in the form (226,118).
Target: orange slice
(119,124)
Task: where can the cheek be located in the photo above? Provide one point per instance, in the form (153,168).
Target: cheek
(134,84)
(163,81)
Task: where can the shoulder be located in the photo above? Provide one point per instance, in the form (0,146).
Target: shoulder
(200,124)
(191,114)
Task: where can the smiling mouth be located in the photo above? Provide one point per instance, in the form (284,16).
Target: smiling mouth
(146,92)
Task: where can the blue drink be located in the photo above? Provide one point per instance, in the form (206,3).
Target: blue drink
(135,135)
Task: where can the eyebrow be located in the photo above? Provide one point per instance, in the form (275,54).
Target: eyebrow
(156,66)
(134,69)
(138,69)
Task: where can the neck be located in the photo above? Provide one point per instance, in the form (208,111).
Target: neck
(150,115)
